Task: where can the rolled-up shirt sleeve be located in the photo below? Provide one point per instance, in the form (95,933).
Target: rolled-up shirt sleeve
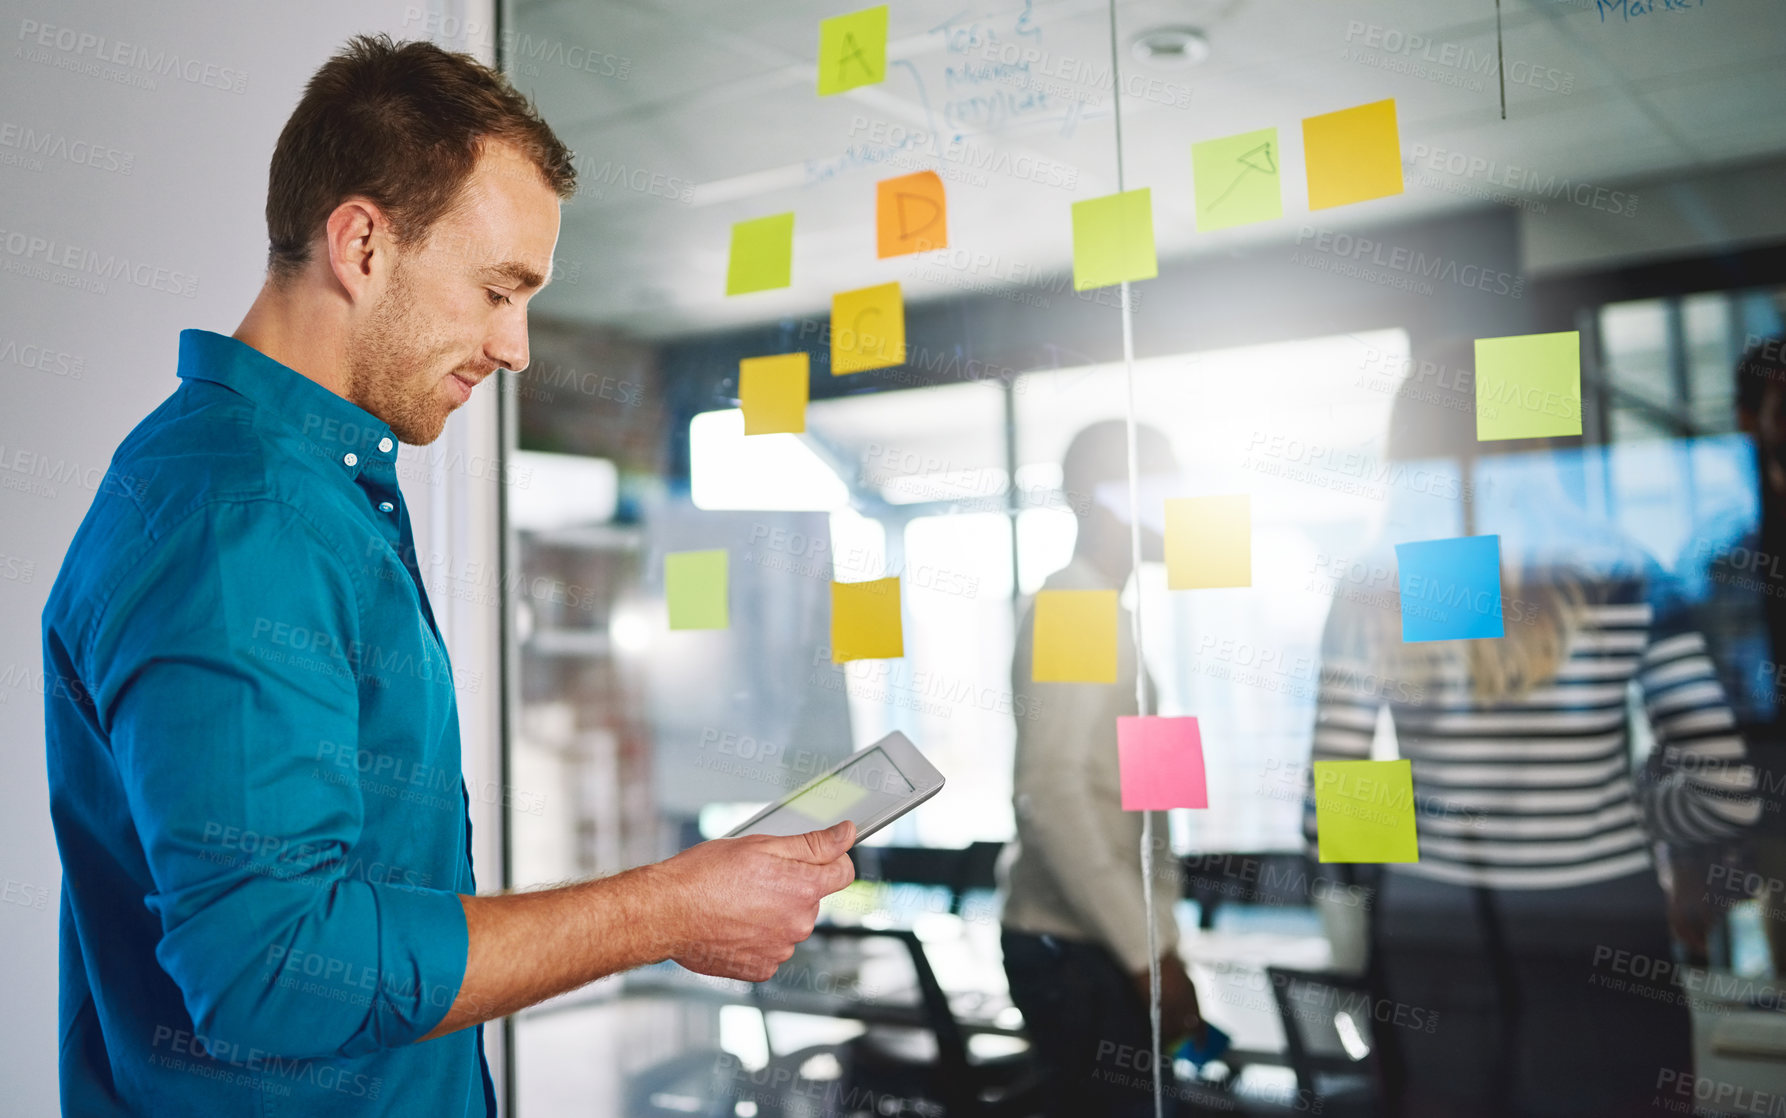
(226,668)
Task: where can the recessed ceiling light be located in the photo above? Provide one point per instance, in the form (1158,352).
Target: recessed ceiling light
(1171,47)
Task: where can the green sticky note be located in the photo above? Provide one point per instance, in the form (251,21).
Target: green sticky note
(1364,811)
(852,50)
(762,254)
(695,584)
(1528,386)
(1113,239)
(1236,180)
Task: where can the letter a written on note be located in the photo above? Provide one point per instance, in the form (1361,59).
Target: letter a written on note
(852,50)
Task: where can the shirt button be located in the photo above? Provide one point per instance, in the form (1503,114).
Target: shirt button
(384,445)
(385,506)
(351,459)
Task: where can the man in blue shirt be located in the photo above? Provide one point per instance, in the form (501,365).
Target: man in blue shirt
(268,905)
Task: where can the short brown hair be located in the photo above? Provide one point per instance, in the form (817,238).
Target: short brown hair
(402,125)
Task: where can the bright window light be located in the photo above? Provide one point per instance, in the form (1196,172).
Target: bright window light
(762,472)
(561,490)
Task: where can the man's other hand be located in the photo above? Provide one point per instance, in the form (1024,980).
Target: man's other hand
(740,905)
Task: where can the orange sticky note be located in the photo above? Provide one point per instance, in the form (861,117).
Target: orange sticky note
(865,621)
(772,392)
(1075,637)
(1161,762)
(1352,155)
(911,214)
(867,329)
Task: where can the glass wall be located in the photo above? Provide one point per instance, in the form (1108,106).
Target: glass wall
(1306,340)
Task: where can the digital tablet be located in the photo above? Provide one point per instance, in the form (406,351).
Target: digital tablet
(871,787)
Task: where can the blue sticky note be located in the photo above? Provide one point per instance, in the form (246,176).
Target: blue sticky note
(1450,589)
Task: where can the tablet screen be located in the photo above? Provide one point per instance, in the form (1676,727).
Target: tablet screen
(862,789)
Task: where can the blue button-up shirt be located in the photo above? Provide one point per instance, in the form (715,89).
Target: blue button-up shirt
(254,769)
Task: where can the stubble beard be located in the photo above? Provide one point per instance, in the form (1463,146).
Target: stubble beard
(384,364)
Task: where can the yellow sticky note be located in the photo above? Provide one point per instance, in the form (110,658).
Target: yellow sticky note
(867,329)
(1209,542)
(1236,180)
(1353,155)
(1113,239)
(1528,386)
(865,621)
(1364,811)
(852,50)
(762,254)
(1075,636)
(695,584)
(911,214)
(772,391)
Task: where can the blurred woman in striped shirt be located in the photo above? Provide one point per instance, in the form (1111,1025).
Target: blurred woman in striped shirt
(1533,927)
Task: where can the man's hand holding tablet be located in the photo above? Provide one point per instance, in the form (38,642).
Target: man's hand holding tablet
(746,902)
(732,907)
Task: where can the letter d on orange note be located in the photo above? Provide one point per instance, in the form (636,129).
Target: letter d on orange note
(911,214)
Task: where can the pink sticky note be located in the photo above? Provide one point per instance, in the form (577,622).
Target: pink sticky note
(1161,760)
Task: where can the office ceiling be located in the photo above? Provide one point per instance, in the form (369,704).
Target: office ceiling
(689,115)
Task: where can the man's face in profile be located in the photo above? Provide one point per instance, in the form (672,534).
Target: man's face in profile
(454,305)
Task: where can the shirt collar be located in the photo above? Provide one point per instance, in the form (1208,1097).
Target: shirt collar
(348,434)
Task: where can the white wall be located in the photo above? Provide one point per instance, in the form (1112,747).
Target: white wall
(178,185)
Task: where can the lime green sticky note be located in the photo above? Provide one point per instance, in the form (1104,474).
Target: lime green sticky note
(772,392)
(1364,811)
(1352,155)
(1236,180)
(1209,542)
(1113,239)
(1528,386)
(852,50)
(1075,637)
(695,584)
(865,621)
(762,254)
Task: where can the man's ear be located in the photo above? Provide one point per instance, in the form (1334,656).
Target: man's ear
(356,240)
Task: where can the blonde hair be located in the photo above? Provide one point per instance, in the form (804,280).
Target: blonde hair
(1539,626)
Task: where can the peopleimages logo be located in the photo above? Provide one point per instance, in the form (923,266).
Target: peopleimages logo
(30,249)
(80,50)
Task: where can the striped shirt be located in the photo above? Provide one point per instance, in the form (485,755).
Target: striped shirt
(1540,791)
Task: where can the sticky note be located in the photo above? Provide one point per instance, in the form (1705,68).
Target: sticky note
(867,329)
(911,214)
(772,391)
(1209,542)
(1075,637)
(865,621)
(828,800)
(1450,589)
(1528,386)
(1353,155)
(1161,763)
(1364,811)
(1113,239)
(1235,180)
(695,584)
(762,254)
(852,50)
